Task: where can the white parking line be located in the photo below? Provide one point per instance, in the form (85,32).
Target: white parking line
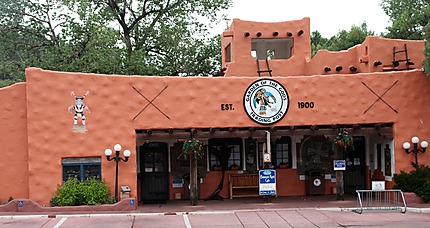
(60,222)
(186,220)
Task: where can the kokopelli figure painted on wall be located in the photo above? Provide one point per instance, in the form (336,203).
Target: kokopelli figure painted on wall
(80,110)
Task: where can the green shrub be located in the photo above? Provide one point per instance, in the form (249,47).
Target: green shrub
(54,201)
(74,193)
(417,181)
(95,192)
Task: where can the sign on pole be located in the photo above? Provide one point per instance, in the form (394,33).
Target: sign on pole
(267,182)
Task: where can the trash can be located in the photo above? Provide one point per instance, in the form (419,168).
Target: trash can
(125,192)
(187,191)
(315,185)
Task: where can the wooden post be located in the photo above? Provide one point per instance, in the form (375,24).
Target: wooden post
(193,180)
(340,191)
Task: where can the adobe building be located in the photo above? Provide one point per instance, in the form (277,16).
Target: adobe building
(375,91)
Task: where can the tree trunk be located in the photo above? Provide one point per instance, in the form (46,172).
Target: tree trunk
(340,191)
(193,180)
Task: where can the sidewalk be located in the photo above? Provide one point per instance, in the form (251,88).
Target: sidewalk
(325,202)
(252,204)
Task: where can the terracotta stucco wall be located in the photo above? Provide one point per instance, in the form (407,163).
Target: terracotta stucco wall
(195,102)
(243,64)
(13,143)
(361,56)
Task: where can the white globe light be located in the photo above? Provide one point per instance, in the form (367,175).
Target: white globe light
(117,147)
(424,144)
(415,139)
(127,153)
(406,145)
(108,152)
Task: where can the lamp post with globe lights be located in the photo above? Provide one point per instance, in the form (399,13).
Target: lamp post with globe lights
(117,158)
(415,140)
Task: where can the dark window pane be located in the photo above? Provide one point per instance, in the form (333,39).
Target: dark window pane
(71,171)
(92,171)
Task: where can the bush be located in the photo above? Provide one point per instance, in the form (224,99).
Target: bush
(74,193)
(417,181)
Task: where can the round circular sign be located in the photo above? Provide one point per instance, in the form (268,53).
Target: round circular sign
(266,101)
(317,182)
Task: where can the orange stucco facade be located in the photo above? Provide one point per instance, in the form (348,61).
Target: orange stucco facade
(37,129)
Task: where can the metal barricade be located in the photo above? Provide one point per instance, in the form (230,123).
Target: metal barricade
(381,201)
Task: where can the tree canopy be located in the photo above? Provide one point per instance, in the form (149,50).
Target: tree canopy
(141,37)
(427,50)
(150,37)
(342,40)
(408,17)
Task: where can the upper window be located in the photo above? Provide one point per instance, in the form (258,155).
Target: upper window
(272,48)
(228,53)
(227,150)
(81,168)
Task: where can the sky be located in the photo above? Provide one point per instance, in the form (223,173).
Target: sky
(327,16)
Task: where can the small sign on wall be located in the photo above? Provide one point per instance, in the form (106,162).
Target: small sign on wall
(177,183)
(339,165)
(378,185)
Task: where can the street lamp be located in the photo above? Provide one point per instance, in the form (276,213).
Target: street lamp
(415,150)
(117,158)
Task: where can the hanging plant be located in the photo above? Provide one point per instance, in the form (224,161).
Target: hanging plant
(343,139)
(193,147)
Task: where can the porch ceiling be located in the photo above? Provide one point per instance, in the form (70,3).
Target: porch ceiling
(143,136)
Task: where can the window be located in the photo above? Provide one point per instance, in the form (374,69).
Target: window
(281,152)
(379,155)
(220,148)
(81,168)
(228,53)
(280,48)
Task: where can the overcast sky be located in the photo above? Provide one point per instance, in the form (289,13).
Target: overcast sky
(327,16)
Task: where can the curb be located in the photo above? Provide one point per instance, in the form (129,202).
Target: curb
(409,209)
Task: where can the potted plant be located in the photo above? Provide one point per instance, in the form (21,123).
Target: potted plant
(343,139)
(234,167)
(217,167)
(283,165)
(193,147)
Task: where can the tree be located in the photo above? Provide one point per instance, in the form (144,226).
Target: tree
(145,37)
(408,17)
(346,39)
(318,42)
(25,29)
(342,40)
(427,50)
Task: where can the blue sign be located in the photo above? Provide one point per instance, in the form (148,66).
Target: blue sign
(339,165)
(132,202)
(267,182)
(20,203)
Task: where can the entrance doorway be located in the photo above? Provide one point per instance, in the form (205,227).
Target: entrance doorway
(355,174)
(154,179)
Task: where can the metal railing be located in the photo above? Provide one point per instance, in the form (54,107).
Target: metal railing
(381,201)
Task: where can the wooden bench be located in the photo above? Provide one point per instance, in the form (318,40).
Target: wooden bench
(242,181)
